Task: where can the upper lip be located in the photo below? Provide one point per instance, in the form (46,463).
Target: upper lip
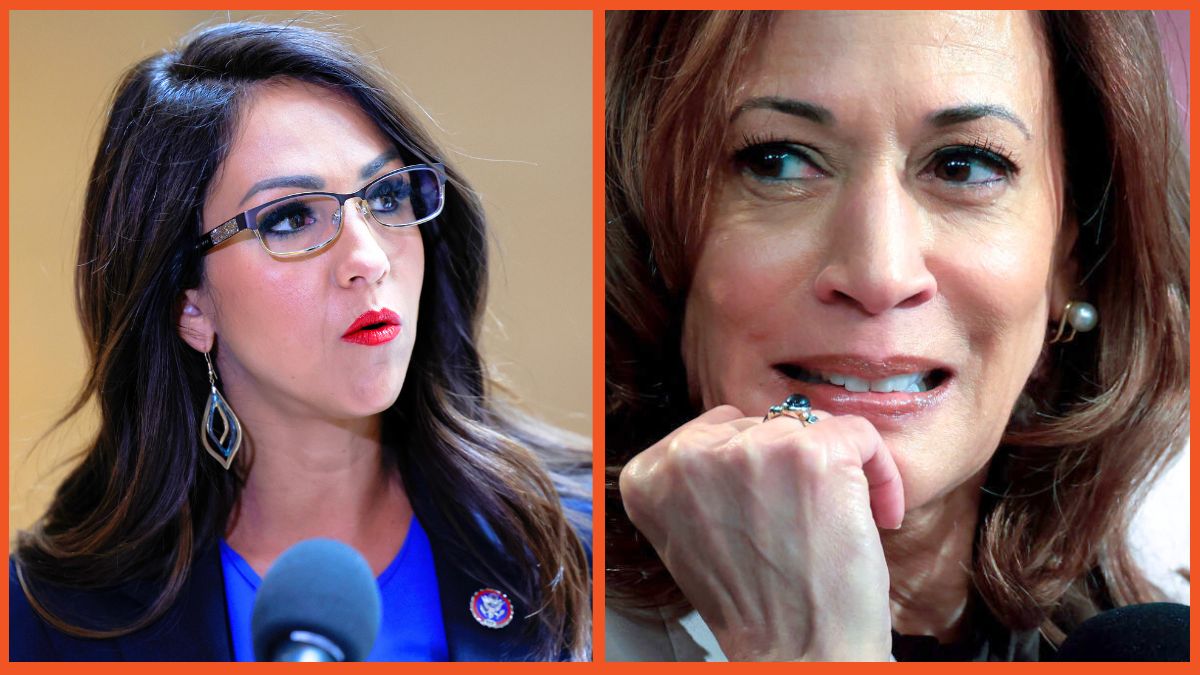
(371,317)
(867,367)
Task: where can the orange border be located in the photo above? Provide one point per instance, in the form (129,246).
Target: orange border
(1193,23)
(4,302)
(598,436)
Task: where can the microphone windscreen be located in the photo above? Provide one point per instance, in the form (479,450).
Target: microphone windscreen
(321,586)
(1156,631)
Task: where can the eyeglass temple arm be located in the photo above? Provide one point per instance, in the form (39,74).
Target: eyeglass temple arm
(222,232)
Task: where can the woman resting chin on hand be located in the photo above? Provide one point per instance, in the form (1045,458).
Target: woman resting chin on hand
(761,523)
(951,233)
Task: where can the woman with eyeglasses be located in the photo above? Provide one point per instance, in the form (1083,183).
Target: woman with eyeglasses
(280,279)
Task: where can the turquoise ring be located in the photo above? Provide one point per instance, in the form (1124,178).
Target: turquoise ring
(796,406)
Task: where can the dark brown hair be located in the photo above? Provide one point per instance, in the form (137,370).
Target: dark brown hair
(146,499)
(1105,412)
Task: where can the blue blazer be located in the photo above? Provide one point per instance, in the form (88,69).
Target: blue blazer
(196,627)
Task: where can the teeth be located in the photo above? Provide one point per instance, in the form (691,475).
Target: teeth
(895,383)
(911,383)
(855,384)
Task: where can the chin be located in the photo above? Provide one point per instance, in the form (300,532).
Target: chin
(372,401)
(935,481)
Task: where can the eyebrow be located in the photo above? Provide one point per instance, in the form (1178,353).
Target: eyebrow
(378,163)
(968,113)
(306,182)
(313,182)
(788,106)
(942,118)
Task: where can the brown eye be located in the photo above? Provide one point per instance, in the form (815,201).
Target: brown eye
(288,218)
(770,162)
(970,166)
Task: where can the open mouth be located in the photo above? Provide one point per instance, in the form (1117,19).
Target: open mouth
(373,327)
(908,383)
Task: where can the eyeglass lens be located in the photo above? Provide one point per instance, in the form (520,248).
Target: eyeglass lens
(308,221)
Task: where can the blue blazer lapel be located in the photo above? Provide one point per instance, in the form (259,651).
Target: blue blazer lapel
(466,638)
(196,627)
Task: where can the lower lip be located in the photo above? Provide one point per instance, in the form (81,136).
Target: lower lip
(885,411)
(373,336)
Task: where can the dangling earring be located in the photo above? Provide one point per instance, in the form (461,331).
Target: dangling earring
(224,445)
(1081,315)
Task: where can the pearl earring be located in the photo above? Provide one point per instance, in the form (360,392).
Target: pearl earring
(1081,315)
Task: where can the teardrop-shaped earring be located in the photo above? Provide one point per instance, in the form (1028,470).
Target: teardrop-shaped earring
(1082,317)
(222,445)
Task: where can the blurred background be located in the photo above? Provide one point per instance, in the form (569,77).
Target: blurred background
(508,95)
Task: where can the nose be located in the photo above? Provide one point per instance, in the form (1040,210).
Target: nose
(875,260)
(361,257)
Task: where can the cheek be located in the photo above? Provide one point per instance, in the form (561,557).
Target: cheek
(267,313)
(737,306)
(998,286)
(996,299)
(733,285)
(409,268)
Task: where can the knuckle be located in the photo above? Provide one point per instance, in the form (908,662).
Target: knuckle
(688,454)
(685,444)
(798,451)
(737,452)
(723,412)
(817,452)
(843,457)
(631,483)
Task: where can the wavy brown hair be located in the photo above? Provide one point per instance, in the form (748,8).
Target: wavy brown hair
(1100,417)
(145,499)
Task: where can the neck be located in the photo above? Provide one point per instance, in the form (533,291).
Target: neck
(317,478)
(929,560)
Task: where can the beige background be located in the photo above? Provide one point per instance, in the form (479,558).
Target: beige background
(511,95)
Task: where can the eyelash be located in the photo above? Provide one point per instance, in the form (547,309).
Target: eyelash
(981,148)
(754,141)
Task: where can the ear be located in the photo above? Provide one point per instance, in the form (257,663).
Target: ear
(196,320)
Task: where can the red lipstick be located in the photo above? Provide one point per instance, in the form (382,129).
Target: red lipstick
(373,327)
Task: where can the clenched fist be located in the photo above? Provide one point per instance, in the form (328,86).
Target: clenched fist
(770,530)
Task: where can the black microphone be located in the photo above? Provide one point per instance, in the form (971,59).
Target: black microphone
(1157,631)
(318,602)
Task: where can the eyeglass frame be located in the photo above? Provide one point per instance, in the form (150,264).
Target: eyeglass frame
(246,220)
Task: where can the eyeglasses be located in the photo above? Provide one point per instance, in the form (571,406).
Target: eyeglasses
(302,223)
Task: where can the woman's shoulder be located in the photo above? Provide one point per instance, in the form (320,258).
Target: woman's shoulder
(193,628)
(33,638)
(1160,532)
(648,635)
(29,637)
(579,515)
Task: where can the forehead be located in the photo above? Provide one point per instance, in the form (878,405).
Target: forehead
(861,62)
(288,126)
